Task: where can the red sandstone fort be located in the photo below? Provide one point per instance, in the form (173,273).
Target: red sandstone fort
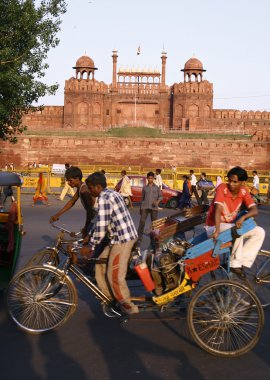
(141,97)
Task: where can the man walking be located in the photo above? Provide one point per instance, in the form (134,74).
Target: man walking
(193,182)
(67,189)
(151,197)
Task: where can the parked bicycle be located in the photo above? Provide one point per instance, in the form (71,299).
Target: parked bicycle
(224,317)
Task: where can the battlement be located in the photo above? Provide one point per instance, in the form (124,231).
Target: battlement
(236,114)
(91,85)
(203,87)
(50,117)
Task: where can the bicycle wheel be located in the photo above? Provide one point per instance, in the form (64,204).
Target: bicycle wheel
(225,318)
(40,299)
(45,256)
(259,277)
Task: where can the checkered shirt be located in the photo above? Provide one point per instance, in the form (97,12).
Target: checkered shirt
(113,219)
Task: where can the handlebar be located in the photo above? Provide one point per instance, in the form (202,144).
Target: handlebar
(62,229)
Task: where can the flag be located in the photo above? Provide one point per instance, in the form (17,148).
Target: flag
(139,50)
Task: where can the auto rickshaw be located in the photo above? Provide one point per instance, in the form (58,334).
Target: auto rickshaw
(11,225)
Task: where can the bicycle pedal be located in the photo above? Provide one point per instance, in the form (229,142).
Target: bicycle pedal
(124,318)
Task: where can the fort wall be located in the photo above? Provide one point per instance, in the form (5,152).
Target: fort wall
(144,152)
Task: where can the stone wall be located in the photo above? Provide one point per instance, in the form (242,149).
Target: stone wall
(50,118)
(144,152)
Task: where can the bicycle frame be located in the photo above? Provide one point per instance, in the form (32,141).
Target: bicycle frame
(265,280)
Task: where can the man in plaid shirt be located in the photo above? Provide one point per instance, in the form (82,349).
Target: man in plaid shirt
(114,221)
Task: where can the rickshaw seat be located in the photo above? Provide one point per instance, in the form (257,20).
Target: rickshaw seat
(7,234)
(202,246)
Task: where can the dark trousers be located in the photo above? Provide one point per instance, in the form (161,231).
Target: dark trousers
(144,214)
(195,192)
(204,197)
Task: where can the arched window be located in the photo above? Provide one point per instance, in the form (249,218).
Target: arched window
(193,111)
(83,113)
(69,108)
(193,77)
(206,111)
(179,110)
(96,109)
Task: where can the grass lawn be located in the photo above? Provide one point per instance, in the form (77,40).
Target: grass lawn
(138,132)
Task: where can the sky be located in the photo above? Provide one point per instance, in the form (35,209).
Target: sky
(230,38)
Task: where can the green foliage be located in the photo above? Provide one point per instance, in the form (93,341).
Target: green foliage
(27,31)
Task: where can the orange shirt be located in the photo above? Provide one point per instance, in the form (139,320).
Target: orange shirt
(231,206)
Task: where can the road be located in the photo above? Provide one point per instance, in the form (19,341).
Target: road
(92,347)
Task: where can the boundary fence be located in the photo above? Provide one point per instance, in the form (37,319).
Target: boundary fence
(171,177)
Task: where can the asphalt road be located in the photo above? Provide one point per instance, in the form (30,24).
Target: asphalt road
(92,347)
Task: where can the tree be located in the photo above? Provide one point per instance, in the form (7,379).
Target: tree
(27,31)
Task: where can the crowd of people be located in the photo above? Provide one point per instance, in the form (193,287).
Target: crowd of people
(109,230)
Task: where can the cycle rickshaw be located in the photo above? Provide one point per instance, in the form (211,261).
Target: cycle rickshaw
(11,225)
(224,317)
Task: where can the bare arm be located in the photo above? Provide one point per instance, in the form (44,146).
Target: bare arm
(252,211)
(217,217)
(67,207)
(88,202)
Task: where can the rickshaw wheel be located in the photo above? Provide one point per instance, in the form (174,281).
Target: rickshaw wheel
(45,256)
(40,299)
(225,318)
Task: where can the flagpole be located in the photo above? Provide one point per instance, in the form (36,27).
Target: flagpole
(135,108)
(135,103)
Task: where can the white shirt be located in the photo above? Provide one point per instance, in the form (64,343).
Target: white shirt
(125,189)
(158,181)
(256,182)
(193,180)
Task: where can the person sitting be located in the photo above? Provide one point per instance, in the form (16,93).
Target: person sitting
(221,216)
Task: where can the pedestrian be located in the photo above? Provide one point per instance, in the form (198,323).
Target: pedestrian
(255,190)
(158,178)
(218,181)
(125,189)
(73,176)
(158,181)
(184,201)
(114,220)
(40,194)
(223,213)
(193,182)
(204,186)
(67,189)
(151,197)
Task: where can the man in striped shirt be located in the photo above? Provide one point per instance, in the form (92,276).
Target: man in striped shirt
(114,221)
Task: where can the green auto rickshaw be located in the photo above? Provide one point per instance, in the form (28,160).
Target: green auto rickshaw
(11,225)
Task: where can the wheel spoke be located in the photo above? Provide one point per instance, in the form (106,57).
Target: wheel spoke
(40,299)
(225,318)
